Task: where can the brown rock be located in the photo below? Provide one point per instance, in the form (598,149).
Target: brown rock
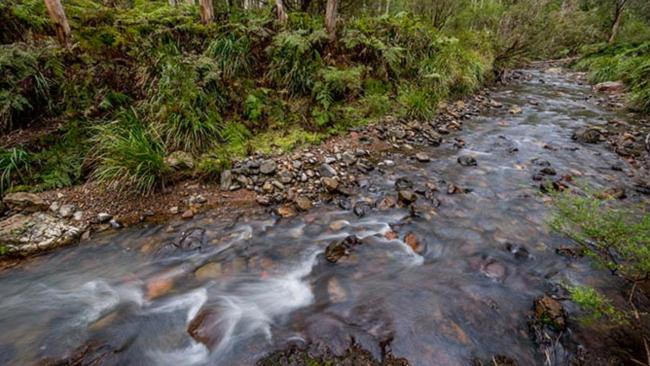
(412,241)
(549,310)
(285,211)
(391,235)
(159,286)
(610,87)
(204,328)
(303,203)
(406,197)
(188,214)
(330,184)
(24,201)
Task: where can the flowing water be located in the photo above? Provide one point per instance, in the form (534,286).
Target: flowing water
(264,284)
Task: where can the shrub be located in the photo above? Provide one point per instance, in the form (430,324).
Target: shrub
(417,103)
(232,53)
(294,60)
(129,155)
(15,164)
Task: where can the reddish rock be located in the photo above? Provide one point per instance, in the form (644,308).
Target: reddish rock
(204,328)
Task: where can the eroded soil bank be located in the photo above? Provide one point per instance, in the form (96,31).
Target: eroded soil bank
(414,244)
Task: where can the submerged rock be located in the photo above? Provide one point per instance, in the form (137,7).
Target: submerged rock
(466,160)
(588,135)
(204,328)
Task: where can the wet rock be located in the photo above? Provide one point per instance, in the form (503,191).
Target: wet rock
(24,201)
(263,200)
(268,167)
(226,180)
(285,211)
(326,170)
(494,269)
(422,157)
(330,184)
(519,252)
(466,160)
(191,239)
(104,217)
(610,87)
(361,208)
(588,135)
(339,249)
(115,224)
(495,104)
(159,286)
(515,110)
(204,328)
(412,240)
(28,234)
(550,311)
(403,183)
(208,271)
(386,203)
(303,203)
(391,235)
(337,225)
(187,214)
(406,197)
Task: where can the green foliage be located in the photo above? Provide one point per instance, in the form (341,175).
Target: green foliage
(596,305)
(629,63)
(417,103)
(232,53)
(294,60)
(616,238)
(185,105)
(129,155)
(15,164)
(28,81)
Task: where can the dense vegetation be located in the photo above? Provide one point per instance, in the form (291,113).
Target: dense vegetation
(143,78)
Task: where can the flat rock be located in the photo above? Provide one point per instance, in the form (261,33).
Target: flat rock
(28,234)
(24,201)
(326,170)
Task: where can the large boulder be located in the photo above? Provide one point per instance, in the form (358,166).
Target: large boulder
(25,202)
(28,234)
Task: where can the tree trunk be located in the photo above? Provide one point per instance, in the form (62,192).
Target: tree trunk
(331,11)
(282,13)
(618,14)
(60,21)
(207,11)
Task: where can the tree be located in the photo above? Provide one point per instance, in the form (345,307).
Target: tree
(330,18)
(207,11)
(282,13)
(60,21)
(619,6)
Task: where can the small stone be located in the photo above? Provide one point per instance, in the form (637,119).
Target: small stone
(226,180)
(285,211)
(263,200)
(66,211)
(337,225)
(515,110)
(54,207)
(494,269)
(115,224)
(303,203)
(103,217)
(422,157)
(412,241)
(267,187)
(158,287)
(286,177)
(406,197)
(495,104)
(326,170)
(388,163)
(403,183)
(549,310)
(174,210)
(466,160)
(199,199)
(391,235)
(78,215)
(387,203)
(268,167)
(330,184)
(361,208)
(588,135)
(188,214)
(339,249)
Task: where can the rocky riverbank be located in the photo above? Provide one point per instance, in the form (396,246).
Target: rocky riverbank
(293,182)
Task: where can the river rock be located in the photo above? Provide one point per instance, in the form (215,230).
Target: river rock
(549,310)
(361,208)
(268,167)
(226,180)
(589,135)
(104,217)
(339,249)
(23,234)
(285,211)
(330,184)
(422,157)
(466,160)
(386,203)
(180,160)
(24,201)
(204,328)
(610,87)
(303,203)
(263,200)
(412,240)
(406,196)
(187,214)
(403,183)
(326,170)
(159,286)
(208,271)
(66,211)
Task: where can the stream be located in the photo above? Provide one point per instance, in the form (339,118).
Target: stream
(251,283)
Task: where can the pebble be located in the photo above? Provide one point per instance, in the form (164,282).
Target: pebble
(188,214)
(103,217)
(326,170)
(466,160)
(422,157)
